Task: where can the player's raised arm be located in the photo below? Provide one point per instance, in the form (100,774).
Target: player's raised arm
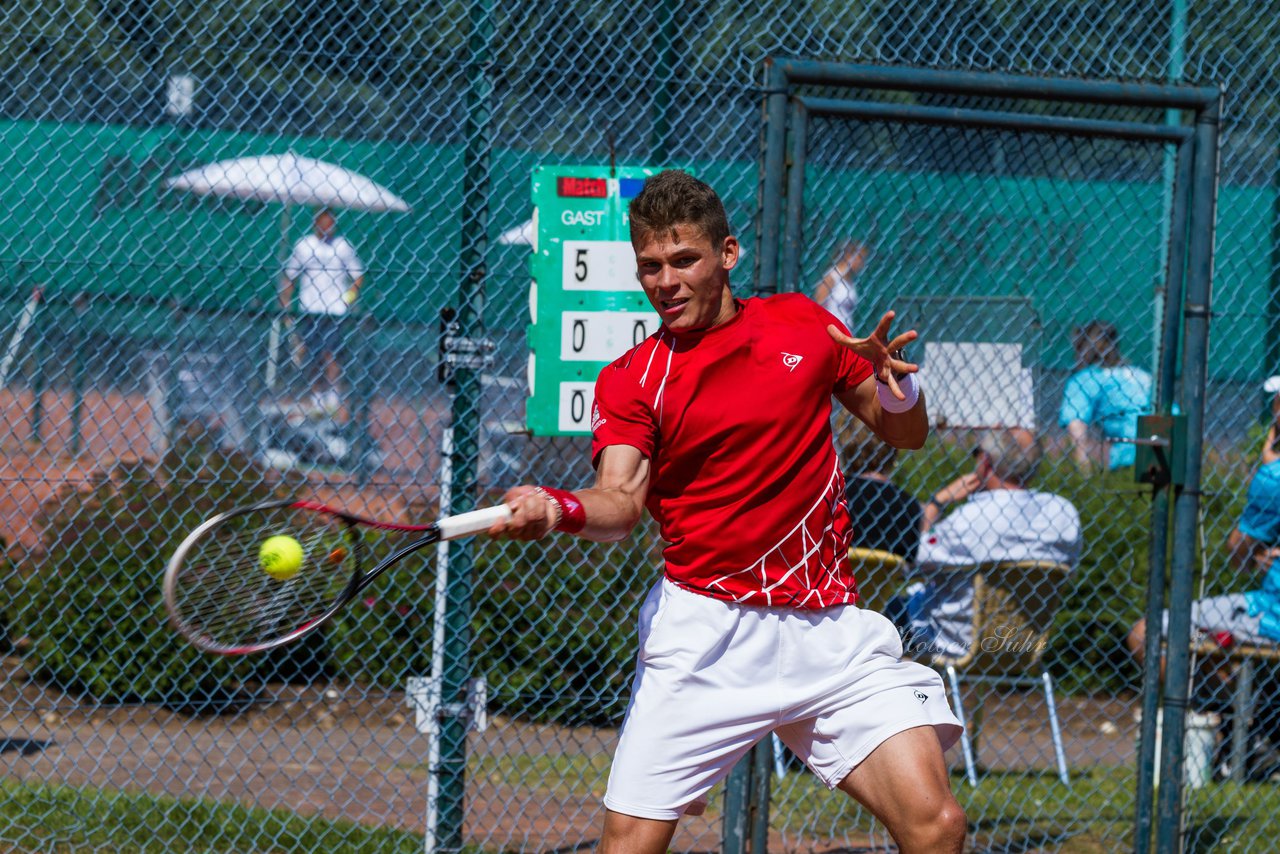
(605,512)
(890,401)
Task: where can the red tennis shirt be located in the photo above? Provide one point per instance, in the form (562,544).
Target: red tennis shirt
(736,423)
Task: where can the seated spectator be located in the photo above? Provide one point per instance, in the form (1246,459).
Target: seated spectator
(884,515)
(998,519)
(1105,393)
(1252,546)
(1250,617)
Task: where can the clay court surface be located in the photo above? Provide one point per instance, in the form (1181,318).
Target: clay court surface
(117,426)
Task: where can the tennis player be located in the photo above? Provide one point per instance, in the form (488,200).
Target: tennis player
(719,425)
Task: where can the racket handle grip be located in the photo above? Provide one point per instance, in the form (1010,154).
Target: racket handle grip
(473,522)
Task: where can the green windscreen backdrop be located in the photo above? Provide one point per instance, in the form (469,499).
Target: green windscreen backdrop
(85,211)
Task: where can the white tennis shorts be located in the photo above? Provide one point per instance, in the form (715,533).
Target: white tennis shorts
(713,678)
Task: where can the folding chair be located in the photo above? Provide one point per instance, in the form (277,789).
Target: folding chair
(1013,608)
(1245,658)
(880,574)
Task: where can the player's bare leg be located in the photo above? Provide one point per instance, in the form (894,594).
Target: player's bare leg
(626,834)
(904,783)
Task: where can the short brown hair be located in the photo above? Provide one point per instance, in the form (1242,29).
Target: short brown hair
(867,452)
(673,198)
(1096,343)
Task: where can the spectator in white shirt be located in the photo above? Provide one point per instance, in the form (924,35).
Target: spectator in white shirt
(328,274)
(1001,519)
(837,290)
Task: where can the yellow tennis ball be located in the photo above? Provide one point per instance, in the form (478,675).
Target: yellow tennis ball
(281,557)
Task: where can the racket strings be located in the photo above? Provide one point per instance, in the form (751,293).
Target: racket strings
(224,594)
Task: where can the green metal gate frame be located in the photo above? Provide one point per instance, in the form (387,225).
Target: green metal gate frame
(1188,280)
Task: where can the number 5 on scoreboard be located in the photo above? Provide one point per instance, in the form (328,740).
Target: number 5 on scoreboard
(599,265)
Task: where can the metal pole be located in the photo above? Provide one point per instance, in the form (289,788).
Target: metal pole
(1158,556)
(1175,275)
(360,405)
(772,178)
(454,718)
(980,83)
(737,793)
(1271,357)
(1187,504)
(431,837)
(660,136)
(38,345)
(1177,51)
(738,787)
(80,312)
(761,771)
(994,119)
(279,336)
(793,225)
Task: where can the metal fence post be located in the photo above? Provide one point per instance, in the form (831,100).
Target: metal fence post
(360,392)
(660,135)
(761,773)
(793,222)
(441,610)
(1158,555)
(737,796)
(1187,504)
(1272,352)
(746,803)
(772,180)
(39,351)
(1169,169)
(80,339)
(454,718)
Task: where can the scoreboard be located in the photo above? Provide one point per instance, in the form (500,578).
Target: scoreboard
(586,307)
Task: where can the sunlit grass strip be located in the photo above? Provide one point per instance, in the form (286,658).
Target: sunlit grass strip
(46,818)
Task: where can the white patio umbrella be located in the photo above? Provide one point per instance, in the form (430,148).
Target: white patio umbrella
(518,235)
(288,180)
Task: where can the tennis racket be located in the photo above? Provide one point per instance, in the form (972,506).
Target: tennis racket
(221,597)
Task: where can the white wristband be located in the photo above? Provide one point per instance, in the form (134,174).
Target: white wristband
(909,387)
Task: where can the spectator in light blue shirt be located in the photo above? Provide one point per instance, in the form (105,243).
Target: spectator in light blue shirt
(1105,393)
(1253,543)
(1251,617)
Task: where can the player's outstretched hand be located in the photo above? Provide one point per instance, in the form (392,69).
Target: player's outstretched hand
(532,515)
(881,351)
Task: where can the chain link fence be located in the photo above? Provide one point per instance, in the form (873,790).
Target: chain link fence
(146,378)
